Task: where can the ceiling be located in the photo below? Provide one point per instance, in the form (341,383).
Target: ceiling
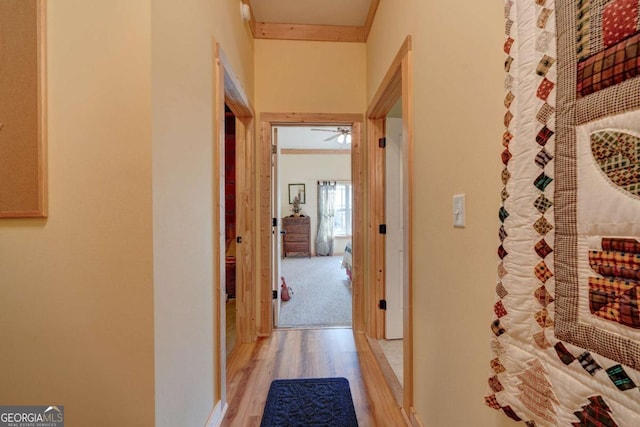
(302,137)
(313,12)
(317,20)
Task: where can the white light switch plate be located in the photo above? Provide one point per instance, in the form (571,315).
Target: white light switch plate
(458,210)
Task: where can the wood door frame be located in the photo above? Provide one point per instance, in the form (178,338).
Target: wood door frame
(228,90)
(396,84)
(267,122)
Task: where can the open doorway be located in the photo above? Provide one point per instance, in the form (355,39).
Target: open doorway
(230,98)
(395,191)
(230,226)
(395,91)
(314,206)
(271,215)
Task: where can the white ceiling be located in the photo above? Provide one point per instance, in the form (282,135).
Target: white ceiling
(316,12)
(304,137)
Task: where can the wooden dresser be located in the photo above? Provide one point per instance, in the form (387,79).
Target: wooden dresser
(296,239)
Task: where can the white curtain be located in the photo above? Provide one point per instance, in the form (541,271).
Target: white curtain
(326,215)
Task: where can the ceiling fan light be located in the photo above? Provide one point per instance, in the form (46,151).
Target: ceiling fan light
(341,139)
(349,138)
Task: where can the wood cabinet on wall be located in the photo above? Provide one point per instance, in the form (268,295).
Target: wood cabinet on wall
(297,236)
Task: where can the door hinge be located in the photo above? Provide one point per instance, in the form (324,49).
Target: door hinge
(382,228)
(274,222)
(274,149)
(274,294)
(382,142)
(382,304)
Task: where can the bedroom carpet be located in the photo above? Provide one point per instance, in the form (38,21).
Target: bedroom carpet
(309,402)
(321,293)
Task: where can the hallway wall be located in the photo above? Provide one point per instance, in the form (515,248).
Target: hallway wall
(76,289)
(183,71)
(130,136)
(458,106)
(309,77)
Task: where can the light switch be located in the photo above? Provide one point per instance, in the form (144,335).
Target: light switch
(458,210)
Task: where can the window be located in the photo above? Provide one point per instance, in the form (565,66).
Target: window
(343,209)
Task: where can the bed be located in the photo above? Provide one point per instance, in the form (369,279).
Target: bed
(346,260)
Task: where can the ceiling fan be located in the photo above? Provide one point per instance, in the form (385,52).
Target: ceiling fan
(343,134)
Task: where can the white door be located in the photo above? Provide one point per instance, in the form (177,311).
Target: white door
(276,237)
(394,240)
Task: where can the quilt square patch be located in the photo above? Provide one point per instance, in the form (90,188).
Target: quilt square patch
(543,17)
(616,64)
(501,291)
(502,252)
(542,248)
(595,414)
(543,158)
(492,402)
(542,272)
(507,45)
(564,354)
(543,296)
(544,135)
(495,384)
(544,113)
(544,65)
(496,328)
(505,176)
(619,20)
(544,89)
(588,363)
(542,181)
(620,378)
(499,309)
(497,366)
(542,226)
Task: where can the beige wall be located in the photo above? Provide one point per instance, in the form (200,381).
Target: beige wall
(130,132)
(310,77)
(76,304)
(183,59)
(457,132)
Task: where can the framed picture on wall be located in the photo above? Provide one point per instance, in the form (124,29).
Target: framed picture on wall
(296,190)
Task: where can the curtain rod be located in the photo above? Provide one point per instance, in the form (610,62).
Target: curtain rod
(335,181)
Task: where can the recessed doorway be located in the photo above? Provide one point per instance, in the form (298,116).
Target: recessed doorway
(313,207)
(270,227)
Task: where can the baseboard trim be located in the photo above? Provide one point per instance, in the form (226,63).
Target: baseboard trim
(415,420)
(216,416)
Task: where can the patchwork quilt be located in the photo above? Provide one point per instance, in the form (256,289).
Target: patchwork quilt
(565,338)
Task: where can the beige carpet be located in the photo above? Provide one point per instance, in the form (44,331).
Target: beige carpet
(321,293)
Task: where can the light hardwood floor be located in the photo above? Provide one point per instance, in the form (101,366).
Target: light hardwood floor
(307,353)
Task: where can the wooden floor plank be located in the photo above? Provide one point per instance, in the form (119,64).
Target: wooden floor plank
(308,353)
